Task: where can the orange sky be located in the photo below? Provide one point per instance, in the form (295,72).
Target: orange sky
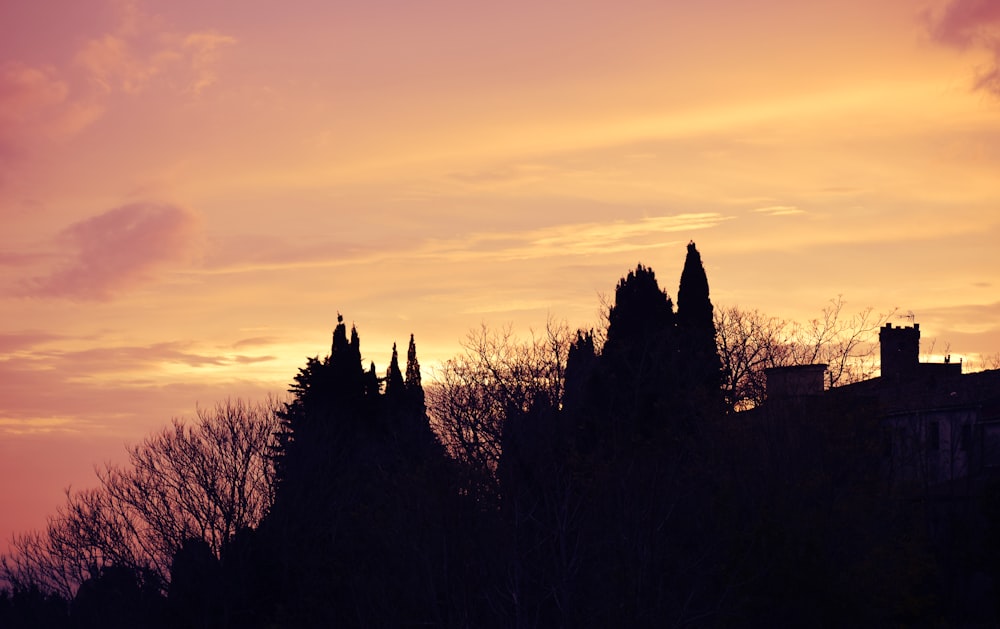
(190,191)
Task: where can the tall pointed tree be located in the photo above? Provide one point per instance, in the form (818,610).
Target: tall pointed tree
(581,361)
(694,308)
(372,387)
(393,377)
(414,389)
(701,368)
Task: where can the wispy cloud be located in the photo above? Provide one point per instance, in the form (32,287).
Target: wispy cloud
(971,24)
(593,238)
(510,173)
(118,250)
(141,49)
(255,341)
(203,52)
(14,341)
(780,210)
(105,399)
(119,62)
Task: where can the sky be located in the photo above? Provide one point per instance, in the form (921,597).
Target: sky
(190,191)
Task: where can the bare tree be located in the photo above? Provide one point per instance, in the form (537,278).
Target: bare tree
(496,376)
(750,342)
(848,345)
(207,480)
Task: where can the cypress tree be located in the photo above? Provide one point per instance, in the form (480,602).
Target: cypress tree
(694,308)
(393,377)
(581,361)
(414,389)
(372,387)
(412,365)
(701,367)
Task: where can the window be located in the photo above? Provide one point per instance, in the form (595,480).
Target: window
(966,437)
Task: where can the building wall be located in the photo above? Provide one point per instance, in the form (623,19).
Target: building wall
(932,446)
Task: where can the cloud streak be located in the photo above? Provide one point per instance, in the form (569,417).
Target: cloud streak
(91,384)
(780,210)
(118,250)
(594,238)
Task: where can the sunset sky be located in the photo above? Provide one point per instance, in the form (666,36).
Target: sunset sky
(191,190)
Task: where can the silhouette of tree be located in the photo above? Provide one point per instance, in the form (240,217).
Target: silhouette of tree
(497,376)
(635,385)
(595,479)
(31,608)
(394,383)
(118,597)
(641,311)
(206,480)
(749,342)
(357,526)
(414,387)
(581,364)
(700,371)
(196,595)
(848,345)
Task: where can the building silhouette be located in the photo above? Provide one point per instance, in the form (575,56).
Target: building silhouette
(941,427)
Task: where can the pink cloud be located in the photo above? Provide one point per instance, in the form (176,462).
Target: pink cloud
(12,341)
(34,99)
(974,24)
(202,48)
(29,99)
(110,64)
(24,90)
(126,61)
(35,108)
(119,249)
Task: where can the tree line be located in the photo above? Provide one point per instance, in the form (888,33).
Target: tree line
(586,478)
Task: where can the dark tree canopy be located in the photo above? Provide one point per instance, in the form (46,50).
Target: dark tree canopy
(357,512)
(642,311)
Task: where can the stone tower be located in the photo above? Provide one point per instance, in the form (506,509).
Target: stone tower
(900,350)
